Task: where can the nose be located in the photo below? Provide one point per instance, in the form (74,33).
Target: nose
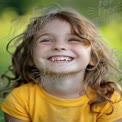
(59,46)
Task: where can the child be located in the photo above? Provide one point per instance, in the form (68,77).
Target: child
(61,71)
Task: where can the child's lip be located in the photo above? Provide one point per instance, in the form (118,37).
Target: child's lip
(60,58)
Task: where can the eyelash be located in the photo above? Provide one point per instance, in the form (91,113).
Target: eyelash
(46,40)
(74,39)
(69,40)
(81,41)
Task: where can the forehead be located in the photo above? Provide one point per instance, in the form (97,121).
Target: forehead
(56,26)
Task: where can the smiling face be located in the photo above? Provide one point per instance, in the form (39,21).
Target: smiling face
(58,50)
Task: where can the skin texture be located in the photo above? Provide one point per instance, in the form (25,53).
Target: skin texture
(56,40)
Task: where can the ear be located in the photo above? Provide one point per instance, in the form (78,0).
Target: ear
(93,61)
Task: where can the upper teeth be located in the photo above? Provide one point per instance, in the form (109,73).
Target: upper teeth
(60,59)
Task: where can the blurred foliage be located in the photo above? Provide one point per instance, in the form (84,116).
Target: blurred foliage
(1,113)
(22,6)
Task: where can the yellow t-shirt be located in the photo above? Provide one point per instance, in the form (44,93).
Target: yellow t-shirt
(31,103)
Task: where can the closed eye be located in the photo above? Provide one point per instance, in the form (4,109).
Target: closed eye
(74,39)
(45,41)
(82,41)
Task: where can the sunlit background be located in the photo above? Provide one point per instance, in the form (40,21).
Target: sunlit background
(14,14)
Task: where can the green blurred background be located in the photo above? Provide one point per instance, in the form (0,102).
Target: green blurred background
(14,14)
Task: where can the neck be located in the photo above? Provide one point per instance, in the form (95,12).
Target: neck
(63,86)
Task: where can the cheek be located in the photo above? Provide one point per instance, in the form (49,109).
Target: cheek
(84,52)
(39,51)
(37,54)
(85,56)
(38,59)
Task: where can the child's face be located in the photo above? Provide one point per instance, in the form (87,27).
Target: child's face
(57,50)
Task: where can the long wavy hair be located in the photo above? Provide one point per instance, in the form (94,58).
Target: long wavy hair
(96,76)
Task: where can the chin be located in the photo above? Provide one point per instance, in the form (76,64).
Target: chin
(60,72)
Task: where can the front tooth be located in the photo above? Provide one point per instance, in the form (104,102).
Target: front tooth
(53,59)
(62,58)
(67,59)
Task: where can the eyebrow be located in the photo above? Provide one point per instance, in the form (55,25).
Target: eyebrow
(46,34)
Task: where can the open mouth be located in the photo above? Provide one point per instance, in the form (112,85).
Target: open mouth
(60,59)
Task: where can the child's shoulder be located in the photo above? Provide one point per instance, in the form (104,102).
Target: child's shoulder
(26,86)
(22,92)
(25,89)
